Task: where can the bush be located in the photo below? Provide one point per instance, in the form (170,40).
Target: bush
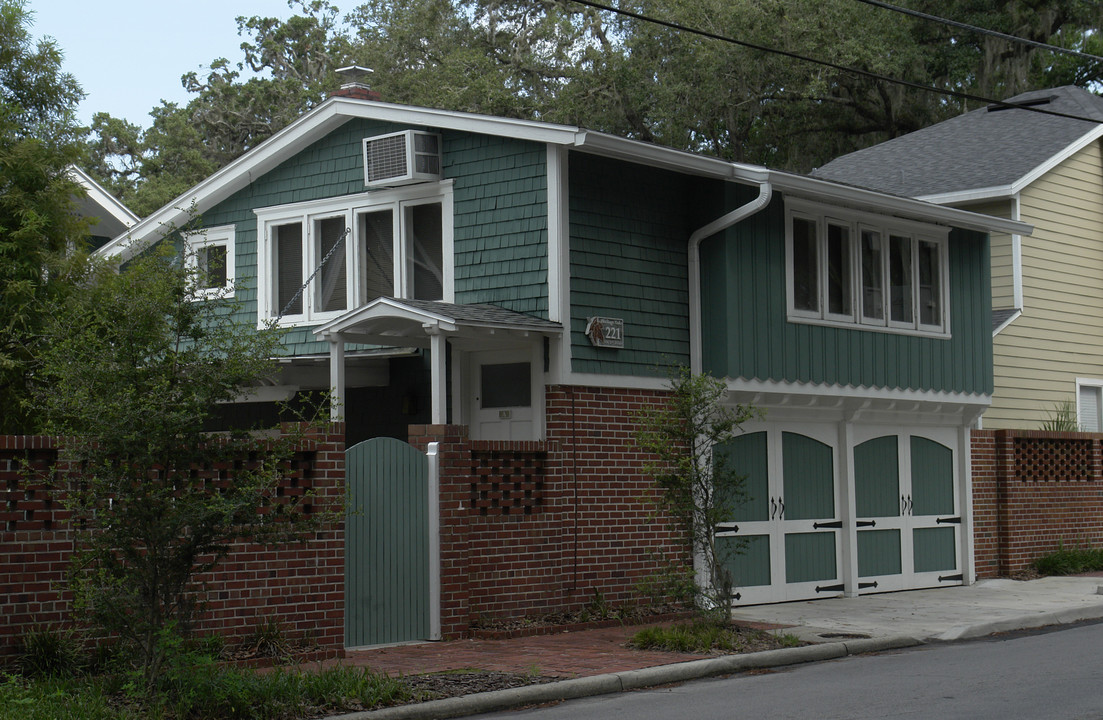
(50,652)
(703,636)
(1069,561)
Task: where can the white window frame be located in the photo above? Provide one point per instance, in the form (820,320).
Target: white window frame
(201,240)
(349,207)
(1097,385)
(856,222)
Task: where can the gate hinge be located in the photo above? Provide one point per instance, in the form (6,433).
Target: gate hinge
(956,520)
(832,524)
(947,578)
(830,588)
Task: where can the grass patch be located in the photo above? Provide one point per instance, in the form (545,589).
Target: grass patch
(1069,561)
(202,692)
(708,637)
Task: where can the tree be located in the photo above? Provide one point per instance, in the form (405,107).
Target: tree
(132,369)
(39,140)
(696,488)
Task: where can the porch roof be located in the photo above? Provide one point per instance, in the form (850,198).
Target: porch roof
(394,321)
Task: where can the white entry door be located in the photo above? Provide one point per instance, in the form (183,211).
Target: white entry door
(502,395)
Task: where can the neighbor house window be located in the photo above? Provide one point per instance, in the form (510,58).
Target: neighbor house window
(209,255)
(866,270)
(1089,404)
(386,243)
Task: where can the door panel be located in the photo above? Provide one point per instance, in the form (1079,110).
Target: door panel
(809,491)
(932,477)
(811,557)
(935,549)
(877,478)
(879,553)
(750,564)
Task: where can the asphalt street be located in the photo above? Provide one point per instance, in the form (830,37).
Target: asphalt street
(1051,674)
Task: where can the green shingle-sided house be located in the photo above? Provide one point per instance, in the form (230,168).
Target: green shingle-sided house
(531,283)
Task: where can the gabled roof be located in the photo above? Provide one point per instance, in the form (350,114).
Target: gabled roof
(409,322)
(111,216)
(988,153)
(336,111)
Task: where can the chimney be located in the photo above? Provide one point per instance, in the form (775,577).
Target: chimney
(355,84)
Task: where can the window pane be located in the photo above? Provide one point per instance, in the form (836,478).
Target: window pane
(806,287)
(289,268)
(423,225)
(873,279)
(331,282)
(1090,420)
(506,385)
(839,296)
(377,255)
(930,288)
(211,260)
(900,278)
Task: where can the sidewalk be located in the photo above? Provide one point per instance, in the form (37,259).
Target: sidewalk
(596,661)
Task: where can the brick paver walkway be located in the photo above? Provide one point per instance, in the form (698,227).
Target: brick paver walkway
(569,654)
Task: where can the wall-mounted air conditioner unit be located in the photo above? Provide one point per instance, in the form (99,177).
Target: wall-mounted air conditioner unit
(401,158)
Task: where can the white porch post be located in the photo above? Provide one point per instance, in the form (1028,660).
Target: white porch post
(336,377)
(438,362)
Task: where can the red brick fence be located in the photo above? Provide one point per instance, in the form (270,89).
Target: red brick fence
(1032,491)
(525,528)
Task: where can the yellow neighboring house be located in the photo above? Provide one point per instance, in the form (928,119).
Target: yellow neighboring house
(1040,163)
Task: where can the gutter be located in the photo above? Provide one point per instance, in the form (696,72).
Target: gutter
(765,192)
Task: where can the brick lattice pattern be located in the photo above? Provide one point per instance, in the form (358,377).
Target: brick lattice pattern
(300,585)
(1032,492)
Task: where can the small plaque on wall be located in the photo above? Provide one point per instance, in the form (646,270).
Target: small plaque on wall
(605,332)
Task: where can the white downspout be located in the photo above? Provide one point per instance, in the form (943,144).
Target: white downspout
(765,192)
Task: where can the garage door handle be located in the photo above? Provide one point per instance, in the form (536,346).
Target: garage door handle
(956,520)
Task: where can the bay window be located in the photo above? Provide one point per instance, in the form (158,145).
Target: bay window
(389,243)
(859,269)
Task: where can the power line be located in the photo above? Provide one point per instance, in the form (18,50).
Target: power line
(825,63)
(982,31)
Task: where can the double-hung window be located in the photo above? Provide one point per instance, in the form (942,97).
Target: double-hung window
(209,256)
(318,260)
(859,269)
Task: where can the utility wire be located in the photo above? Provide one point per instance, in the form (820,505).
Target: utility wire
(834,66)
(982,31)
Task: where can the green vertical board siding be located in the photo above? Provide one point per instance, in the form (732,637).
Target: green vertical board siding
(809,477)
(500,220)
(746,334)
(810,557)
(746,455)
(934,549)
(750,565)
(629,226)
(932,478)
(878,552)
(386,544)
(877,478)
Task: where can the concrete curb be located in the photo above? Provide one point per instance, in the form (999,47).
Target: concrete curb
(1023,622)
(627,680)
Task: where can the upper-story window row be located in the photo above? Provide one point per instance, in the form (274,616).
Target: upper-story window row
(394,243)
(858,269)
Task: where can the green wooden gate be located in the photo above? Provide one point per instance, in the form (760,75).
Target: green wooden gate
(387,536)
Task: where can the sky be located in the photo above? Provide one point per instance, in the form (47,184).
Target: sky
(128,55)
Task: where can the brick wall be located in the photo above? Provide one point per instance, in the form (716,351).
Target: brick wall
(301,585)
(530,528)
(1033,491)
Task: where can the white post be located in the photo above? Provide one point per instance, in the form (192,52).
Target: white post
(965,502)
(437,351)
(336,377)
(847,495)
(434,541)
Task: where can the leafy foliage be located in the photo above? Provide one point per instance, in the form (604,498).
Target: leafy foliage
(697,489)
(1062,419)
(1070,561)
(564,62)
(132,370)
(39,140)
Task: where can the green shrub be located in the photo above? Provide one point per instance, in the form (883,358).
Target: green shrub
(50,652)
(1069,561)
(702,636)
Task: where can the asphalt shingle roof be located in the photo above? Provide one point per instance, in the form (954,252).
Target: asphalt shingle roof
(980,149)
